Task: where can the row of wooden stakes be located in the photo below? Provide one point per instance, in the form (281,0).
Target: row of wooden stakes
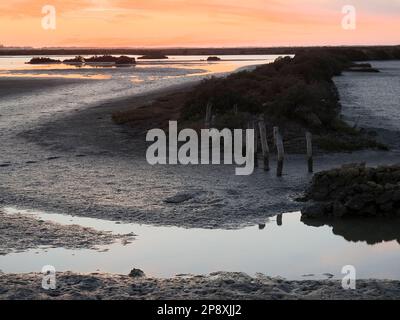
(260,132)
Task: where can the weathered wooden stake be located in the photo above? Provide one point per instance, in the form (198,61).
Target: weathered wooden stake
(235,108)
(264,143)
(281,154)
(212,122)
(208,115)
(276,130)
(256,135)
(251,125)
(309,152)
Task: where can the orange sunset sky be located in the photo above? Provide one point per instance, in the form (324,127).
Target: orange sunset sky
(169,23)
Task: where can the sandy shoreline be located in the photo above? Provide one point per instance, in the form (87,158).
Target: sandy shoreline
(218,286)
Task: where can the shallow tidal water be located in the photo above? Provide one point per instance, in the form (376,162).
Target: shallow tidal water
(284,246)
(372,100)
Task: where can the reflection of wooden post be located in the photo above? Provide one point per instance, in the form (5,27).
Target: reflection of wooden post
(309,152)
(279,219)
(264,143)
(281,154)
(208,115)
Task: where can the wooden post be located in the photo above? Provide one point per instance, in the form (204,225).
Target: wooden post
(212,122)
(235,109)
(251,125)
(281,154)
(255,127)
(264,143)
(208,115)
(276,130)
(309,152)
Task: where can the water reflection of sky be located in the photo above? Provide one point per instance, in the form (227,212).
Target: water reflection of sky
(196,65)
(291,250)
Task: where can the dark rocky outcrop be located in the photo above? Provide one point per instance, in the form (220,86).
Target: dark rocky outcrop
(211,59)
(136,273)
(153,56)
(42,60)
(354,191)
(76,60)
(101,59)
(124,60)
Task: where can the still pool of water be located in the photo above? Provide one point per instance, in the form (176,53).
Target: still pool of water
(285,246)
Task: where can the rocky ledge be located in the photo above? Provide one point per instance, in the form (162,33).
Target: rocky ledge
(353,191)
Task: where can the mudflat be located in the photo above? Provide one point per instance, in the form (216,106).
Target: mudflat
(218,286)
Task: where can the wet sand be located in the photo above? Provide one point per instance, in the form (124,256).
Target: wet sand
(218,286)
(21,232)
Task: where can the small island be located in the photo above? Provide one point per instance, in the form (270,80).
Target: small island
(106,59)
(153,57)
(212,59)
(125,61)
(42,60)
(76,60)
(110,60)
(95,60)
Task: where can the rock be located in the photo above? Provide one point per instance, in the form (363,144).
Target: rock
(385,197)
(89,284)
(354,190)
(179,198)
(386,207)
(315,210)
(370,210)
(358,202)
(396,196)
(136,273)
(361,165)
(338,210)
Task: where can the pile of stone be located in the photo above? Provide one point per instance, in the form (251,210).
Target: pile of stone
(353,191)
